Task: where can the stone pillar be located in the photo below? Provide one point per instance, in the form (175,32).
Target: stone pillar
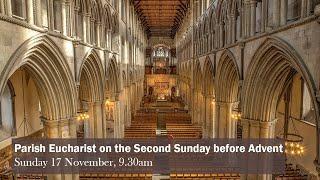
(117,120)
(276,13)
(253,5)
(98,34)
(257,129)
(304,12)
(283,12)
(233,29)
(221,33)
(98,110)
(75,31)
(64,18)
(2,8)
(50,15)
(215,123)
(30,13)
(92,32)
(225,125)
(91,122)
(8,7)
(247,18)
(86,30)
(62,128)
(263,15)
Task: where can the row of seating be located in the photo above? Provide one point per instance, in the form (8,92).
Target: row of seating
(31,177)
(177,117)
(179,126)
(132,176)
(143,125)
(211,176)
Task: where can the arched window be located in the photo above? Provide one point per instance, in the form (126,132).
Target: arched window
(18,8)
(57,10)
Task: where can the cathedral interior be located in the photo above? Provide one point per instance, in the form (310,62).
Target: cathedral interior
(146,68)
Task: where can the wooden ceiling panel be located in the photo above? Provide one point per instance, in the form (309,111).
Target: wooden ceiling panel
(161,17)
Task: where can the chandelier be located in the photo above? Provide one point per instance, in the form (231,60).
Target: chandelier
(236,115)
(293,144)
(82,116)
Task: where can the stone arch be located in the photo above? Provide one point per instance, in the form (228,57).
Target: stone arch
(113,75)
(197,76)
(271,66)
(91,77)
(46,64)
(208,73)
(270,72)
(227,78)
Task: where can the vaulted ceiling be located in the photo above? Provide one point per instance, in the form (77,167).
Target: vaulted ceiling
(161,17)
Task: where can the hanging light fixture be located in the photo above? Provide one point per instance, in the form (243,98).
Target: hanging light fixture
(82,115)
(293,141)
(236,115)
(293,144)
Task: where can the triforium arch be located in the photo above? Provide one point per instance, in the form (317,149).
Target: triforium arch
(91,94)
(226,95)
(208,93)
(42,59)
(269,72)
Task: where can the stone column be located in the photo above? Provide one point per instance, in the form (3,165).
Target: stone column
(64,18)
(253,5)
(117,120)
(304,12)
(263,15)
(30,13)
(98,34)
(215,123)
(247,19)
(225,124)
(257,129)
(283,12)
(98,110)
(62,128)
(86,30)
(276,13)
(2,8)
(222,32)
(50,15)
(233,28)
(8,7)
(91,122)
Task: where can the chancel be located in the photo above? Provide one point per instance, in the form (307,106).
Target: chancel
(179,69)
